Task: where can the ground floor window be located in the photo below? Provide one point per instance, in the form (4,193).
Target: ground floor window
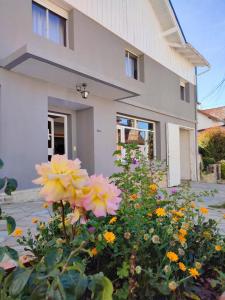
(57,134)
(142,132)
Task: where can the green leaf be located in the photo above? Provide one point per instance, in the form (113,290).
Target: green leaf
(11,224)
(11,186)
(2,253)
(12,253)
(39,293)
(20,279)
(2,274)
(52,257)
(1,163)
(101,287)
(123,272)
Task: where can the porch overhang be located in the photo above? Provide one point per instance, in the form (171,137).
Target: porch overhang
(61,67)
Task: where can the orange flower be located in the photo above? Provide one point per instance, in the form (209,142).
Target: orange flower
(109,237)
(193,272)
(182,239)
(113,220)
(218,248)
(133,197)
(45,205)
(160,212)
(153,187)
(94,251)
(182,266)
(204,210)
(17,232)
(183,232)
(172,256)
(34,220)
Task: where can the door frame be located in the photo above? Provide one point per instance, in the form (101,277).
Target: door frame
(65,117)
(193,154)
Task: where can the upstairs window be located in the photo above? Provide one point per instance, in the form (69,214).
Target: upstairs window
(48,24)
(182,90)
(131,64)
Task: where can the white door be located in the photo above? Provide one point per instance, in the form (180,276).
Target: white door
(173,154)
(51,142)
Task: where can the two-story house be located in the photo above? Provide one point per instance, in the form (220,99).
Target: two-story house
(77,76)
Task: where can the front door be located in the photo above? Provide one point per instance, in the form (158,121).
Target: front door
(57,134)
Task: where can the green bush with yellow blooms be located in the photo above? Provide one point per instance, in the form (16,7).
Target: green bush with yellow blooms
(119,238)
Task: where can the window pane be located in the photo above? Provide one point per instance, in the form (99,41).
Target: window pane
(39,19)
(144,125)
(182,92)
(134,136)
(57,29)
(131,65)
(125,121)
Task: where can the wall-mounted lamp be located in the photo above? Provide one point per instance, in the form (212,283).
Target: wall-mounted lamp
(82,90)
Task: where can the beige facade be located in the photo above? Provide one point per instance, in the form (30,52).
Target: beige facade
(38,80)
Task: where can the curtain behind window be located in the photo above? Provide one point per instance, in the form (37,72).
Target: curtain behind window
(57,28)
(39,20)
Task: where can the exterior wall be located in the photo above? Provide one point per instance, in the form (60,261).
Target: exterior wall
(23,126)
(204,122)
(135,22)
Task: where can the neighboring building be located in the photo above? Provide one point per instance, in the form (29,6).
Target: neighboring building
(213,117)
(136,64)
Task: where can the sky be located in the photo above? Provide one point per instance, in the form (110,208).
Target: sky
(203,23)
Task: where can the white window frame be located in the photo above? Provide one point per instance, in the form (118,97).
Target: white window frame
(65,117)
(121,127)
(183,84)
(49,6)
(130,52)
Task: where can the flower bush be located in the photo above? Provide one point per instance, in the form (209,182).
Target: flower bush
(119,238)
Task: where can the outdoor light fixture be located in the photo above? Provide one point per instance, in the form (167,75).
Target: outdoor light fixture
(82,90)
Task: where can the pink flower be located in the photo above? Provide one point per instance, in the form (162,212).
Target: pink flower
(60,178)
(102,198)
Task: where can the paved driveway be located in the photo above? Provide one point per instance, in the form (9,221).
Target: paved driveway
(24,212)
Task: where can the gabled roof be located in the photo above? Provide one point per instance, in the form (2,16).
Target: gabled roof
(173,33)
(217,113)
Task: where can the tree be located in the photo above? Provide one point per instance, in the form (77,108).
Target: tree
(212,143)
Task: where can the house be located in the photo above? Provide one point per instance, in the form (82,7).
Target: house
(213,117)
(77,76)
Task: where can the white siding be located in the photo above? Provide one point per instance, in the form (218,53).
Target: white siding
(135,22)
(204,122)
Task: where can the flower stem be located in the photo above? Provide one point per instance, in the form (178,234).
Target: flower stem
(63,220)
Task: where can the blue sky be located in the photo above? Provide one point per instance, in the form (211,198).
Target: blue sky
(203,23)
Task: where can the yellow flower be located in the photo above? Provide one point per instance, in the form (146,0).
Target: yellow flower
(218,248)
(172,285)
(160,212)
(45,205)
(193,272)
(182,239)
(179,214)
(42,226)
(207,235)
(183,232)
(35,220)
(17,232)
(133,197)
(113,220)
(182,266)
(94,251)
(153,188)
(198,265)
(182,209)
(172,256)
(204,210)
(175,219)
(224,216)
(109,237)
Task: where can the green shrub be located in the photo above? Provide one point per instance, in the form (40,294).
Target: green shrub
(207,161)
(222,169)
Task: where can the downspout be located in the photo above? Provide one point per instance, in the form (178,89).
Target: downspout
(196,119)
